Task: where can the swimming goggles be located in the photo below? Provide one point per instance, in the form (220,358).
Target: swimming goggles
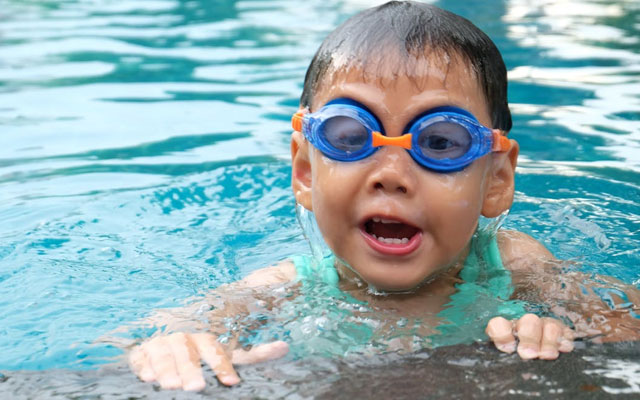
(443,139)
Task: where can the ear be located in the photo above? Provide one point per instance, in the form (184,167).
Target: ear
(499,193)
(301,170)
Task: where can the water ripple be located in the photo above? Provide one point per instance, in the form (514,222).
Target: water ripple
(144,149)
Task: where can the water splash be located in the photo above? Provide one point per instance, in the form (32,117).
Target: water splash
(319,248)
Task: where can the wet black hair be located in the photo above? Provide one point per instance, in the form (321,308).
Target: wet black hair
(413,29)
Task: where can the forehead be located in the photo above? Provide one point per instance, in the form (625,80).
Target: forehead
(394,84)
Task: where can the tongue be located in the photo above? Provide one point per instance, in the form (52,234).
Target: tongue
(393,230)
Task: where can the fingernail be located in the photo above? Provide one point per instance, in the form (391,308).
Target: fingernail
(566,345)
(527,353)
(549,354)
(195,385)
(282,348)
(171,383)
(147,375)
(229,380)
(507,347)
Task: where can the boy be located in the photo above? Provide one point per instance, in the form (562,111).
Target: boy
(399,147)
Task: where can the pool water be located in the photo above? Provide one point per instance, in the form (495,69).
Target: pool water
(144,150)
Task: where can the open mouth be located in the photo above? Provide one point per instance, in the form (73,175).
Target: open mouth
(390,236)
(390,231)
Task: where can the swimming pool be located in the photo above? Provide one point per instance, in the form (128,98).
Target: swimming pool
(136,135)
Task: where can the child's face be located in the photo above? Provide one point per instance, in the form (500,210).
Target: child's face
(439,211)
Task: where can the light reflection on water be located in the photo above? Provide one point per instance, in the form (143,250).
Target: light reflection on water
(591,56)
(136,135)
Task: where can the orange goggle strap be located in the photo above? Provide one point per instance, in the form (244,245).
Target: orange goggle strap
(296,120)
(500,141)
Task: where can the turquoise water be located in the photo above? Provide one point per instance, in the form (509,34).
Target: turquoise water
(144,150)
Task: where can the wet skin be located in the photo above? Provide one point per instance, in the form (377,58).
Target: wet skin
(442,209)
(353,201)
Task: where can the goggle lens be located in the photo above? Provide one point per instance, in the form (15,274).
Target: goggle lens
(442,140)
(345,133)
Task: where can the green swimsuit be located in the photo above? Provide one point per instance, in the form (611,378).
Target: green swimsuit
(483,294)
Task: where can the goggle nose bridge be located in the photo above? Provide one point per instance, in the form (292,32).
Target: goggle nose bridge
(378,139)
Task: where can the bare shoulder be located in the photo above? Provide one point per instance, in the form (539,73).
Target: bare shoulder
(282,272)
(520,251)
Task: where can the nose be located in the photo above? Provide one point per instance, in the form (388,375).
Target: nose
(394,172)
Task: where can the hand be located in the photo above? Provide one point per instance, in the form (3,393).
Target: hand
(542,338)
(174,361)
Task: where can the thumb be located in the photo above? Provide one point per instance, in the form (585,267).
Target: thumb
(260,353)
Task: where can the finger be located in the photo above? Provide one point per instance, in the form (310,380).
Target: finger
(163,363)
(566,343)
(139,364)
(187,362)
(260,353)
(213,354)
(500,331)
(552,335)
(529,329)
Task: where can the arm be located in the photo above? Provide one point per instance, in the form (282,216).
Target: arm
(570,295)
(596,305)
(174,360)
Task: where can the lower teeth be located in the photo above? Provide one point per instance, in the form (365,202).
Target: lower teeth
(391,240)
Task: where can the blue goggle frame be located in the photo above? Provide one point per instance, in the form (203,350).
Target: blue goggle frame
(482,139)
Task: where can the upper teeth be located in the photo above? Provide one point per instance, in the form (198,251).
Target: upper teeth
(385,221)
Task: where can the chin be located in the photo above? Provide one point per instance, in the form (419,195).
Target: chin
(395,286)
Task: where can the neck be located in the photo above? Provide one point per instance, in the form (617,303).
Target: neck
(441,282)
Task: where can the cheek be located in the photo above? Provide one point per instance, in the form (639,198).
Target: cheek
(324,174)
(334,187)
(334,183)
(459,202)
